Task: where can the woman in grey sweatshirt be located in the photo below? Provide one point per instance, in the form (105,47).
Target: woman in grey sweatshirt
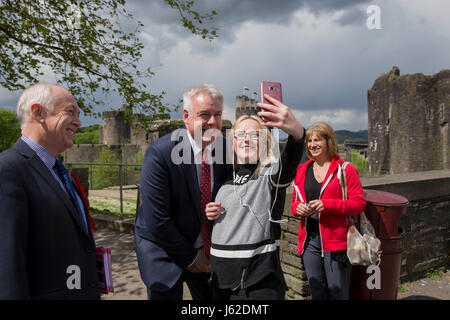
(245,259)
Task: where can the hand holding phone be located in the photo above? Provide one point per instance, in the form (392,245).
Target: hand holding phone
(274,113)
(272,89)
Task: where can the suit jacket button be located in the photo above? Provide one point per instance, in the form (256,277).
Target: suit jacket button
(93,284)
(89,250)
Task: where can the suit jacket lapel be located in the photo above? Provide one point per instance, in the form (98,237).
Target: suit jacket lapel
(219,168)
(48,178)
(190,173)
(85,207)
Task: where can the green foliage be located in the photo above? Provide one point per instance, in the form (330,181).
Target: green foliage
(87,135)
(133,173)
(9,129)
(84,45)
(106,176)
(434,274)
(361,164)
(111,206)
(185,7)
(343,135)
(401,287)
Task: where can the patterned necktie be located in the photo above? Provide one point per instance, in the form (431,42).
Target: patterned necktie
(205,198)
(70,190)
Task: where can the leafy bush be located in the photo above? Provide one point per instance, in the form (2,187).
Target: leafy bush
(87,135)
(9,129)
(106,176)
(361,164)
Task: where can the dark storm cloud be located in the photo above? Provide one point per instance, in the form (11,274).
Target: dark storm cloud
(352,16)
(231,14)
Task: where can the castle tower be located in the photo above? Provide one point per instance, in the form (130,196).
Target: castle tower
(245,105)
(115,128)
(408,122)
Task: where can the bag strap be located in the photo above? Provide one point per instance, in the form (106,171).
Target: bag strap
(343,180)
(343,183)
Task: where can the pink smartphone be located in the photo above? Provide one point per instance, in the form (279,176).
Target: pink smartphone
(272,89)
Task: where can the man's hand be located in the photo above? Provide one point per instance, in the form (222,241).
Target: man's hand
(201,263)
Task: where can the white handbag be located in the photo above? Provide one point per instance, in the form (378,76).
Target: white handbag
(363,247)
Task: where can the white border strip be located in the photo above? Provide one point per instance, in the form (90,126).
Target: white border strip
(245,253)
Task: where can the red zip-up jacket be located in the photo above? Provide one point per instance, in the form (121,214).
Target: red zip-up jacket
(333,224)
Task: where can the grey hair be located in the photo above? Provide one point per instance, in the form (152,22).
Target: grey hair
(210,89)
(40,93)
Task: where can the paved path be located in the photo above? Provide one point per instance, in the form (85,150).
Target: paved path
(129,286)
(126,193)
(126,278)
(427,289)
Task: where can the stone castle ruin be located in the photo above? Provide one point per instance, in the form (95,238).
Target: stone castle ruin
(126,138)
(408,122)
(245,105)
(117,129)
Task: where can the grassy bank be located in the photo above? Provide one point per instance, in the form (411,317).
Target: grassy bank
(111,206)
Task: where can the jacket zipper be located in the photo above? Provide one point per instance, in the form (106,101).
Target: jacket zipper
(242,279)
(297,192)
(320,213)
(306,234)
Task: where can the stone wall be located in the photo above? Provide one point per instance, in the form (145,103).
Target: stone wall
(127,154)
(408,122)
(85,153)
(426,225)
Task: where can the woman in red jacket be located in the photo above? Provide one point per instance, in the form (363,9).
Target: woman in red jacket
(317,199)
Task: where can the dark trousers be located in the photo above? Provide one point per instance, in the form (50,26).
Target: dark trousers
(328,276)
(197,283)
(269,288)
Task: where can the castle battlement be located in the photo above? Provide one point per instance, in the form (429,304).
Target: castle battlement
(245,106)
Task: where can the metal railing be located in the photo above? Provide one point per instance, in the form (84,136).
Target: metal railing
(70,165)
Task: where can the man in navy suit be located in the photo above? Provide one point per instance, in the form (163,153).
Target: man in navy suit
(47,250)
(172,243)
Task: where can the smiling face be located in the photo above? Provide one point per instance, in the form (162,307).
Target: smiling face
(247,136)
(62,122)
(205,118)
(317,146)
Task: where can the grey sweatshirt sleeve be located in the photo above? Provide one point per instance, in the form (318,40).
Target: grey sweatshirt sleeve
(289,160)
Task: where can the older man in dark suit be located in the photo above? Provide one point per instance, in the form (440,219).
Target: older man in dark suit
(181,172)
(47,250)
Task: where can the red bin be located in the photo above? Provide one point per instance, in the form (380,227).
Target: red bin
(384,210)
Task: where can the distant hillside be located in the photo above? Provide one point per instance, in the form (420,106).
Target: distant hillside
(87,135)
(343,135)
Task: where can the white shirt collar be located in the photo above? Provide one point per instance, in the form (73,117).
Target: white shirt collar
(197,149)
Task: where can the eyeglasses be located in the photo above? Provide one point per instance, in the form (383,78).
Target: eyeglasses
(240,135)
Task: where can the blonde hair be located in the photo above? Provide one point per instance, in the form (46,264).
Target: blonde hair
(325,131)
(266,156)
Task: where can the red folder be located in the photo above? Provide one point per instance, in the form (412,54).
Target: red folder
(104,271)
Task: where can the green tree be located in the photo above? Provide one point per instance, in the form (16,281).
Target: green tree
(9,129)
(361,164)
(83,44)
(106,176)
(87,135)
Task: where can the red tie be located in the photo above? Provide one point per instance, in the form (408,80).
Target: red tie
(205,198)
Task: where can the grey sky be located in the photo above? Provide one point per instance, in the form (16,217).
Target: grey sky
(321,51)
